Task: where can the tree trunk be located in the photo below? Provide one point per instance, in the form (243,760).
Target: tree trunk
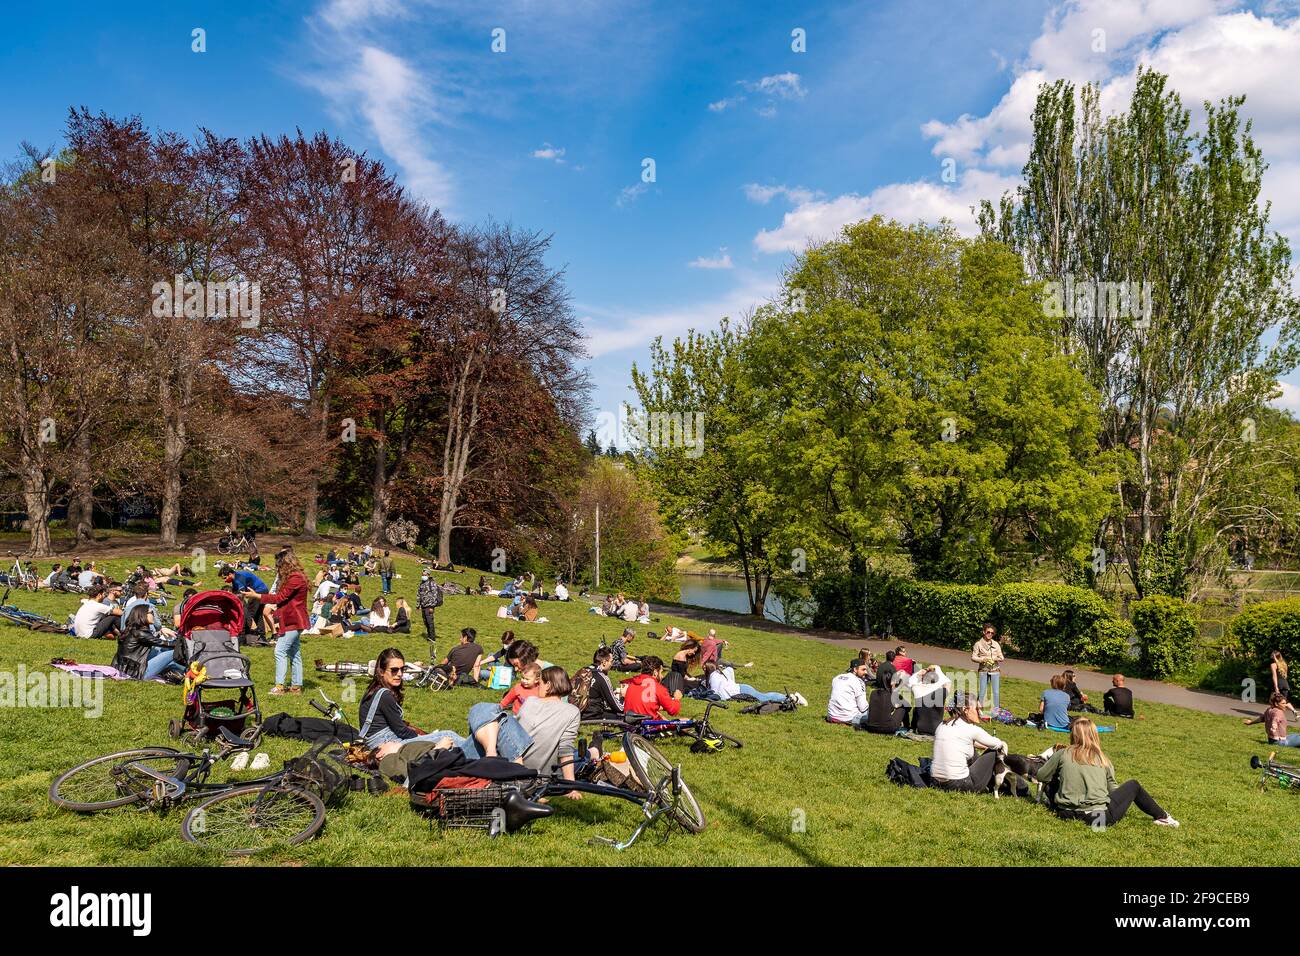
(36,497)
(455,455)
(379,488)
(173,451)
(81,500)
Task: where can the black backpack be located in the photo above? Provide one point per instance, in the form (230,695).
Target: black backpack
(904,774)
(324,770)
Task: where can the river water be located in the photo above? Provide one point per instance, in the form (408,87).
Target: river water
(724,593)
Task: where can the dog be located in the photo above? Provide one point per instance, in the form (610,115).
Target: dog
(1020,767)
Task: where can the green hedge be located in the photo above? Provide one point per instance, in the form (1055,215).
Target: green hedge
(1263,628)
(1055,623)
(1166,634)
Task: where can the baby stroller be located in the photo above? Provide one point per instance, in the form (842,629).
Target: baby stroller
(209,643)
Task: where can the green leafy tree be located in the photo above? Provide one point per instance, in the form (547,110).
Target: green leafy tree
(909,393)
(1175,299)
(695,409)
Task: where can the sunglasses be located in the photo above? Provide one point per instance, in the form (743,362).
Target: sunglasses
(396,670)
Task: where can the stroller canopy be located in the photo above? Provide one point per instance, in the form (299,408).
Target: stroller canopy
(213,610)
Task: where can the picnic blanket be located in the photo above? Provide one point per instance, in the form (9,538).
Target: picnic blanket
(92,670)
(1066,730)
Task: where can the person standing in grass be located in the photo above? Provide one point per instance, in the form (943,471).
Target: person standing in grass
(386,571)
(987,654)
(1081,783)
(290,601)
(429,597)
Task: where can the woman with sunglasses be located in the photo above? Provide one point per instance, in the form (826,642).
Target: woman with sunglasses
(381,708)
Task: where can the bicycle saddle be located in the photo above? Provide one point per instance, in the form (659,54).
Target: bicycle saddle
(520,811)
(1256,762)
(234,740)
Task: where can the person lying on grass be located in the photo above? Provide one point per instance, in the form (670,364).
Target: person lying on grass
(955,765)
(722,681)
(1274,720)
(646,695)
(540,737)
(1081,783)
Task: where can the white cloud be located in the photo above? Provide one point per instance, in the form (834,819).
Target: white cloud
(554,153)
(764,194)
(785,86)
(618,330)
(720,261)
(1289,399)
(630,194)
(727,103)
(818,219)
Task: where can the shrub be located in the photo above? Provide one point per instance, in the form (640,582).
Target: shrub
(1061,624)
(1166,634)
(1263,628)
(1046,622)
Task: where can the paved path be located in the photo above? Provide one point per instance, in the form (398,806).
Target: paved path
(1092,683)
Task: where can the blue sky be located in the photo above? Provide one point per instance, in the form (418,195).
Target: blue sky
(757,148)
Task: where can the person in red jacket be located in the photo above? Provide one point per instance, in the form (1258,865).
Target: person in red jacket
(290,601)
(646,695)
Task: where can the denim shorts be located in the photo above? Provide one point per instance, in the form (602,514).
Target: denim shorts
(512,740)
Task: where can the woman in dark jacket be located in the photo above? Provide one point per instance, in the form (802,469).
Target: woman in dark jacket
(290,618)
(886,713)
(141,653)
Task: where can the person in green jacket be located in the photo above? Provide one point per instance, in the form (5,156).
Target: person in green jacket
(386,570)
(1081,783)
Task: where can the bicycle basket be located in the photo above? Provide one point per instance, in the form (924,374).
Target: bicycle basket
(471,807)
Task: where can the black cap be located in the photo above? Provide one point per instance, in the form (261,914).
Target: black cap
(856,663)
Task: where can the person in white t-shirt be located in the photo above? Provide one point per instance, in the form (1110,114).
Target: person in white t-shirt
(95,618)
(955,765)
(561,592)
(87,578)
(848,703)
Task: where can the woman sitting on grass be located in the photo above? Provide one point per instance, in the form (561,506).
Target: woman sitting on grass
(1081,783)
(1274,720)
(886,712)
(955,765)
(679,679)
(142,654)
(381,708)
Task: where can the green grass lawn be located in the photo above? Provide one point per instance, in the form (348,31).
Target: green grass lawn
(800,791)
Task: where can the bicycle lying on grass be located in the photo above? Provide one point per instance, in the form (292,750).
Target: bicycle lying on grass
(627,767)
(706,737)
(239,818)
(1288,777)
(28,619)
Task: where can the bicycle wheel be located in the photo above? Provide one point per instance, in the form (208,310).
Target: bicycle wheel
(111,781)
(251,819)
(655,772)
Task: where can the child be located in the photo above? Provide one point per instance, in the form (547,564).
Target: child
(530,685)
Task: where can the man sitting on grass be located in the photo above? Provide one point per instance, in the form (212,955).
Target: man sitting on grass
(848,703)
(96,617)
(646,695)
(1118,701)
(461,665)
(623,661)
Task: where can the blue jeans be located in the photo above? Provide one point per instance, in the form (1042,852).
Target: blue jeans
(160,660)
(386,735)
(387,579)
(512,739)
(1291,740)
(996,680)
(763,697)
(288,649)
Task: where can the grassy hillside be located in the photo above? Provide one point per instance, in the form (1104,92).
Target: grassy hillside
(794,769)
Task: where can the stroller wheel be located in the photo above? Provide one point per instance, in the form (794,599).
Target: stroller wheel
(173,728)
